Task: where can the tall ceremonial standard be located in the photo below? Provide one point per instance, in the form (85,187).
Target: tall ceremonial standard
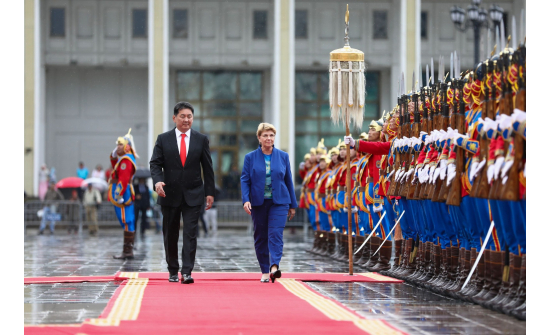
(440,180)
(347,104)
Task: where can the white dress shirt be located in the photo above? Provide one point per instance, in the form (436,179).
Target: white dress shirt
(178,140)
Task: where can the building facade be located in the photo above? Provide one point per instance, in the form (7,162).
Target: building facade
(95,68)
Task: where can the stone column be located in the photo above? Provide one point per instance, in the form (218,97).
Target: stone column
(159,111)
(33,108)
(283,76)
(410,40)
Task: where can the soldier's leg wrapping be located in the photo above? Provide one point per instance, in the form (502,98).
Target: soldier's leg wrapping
(312,217)
(126,217)
(405,223)
(420,220)
(335,221)
(390,216)
(408,217)
(445,227)
(384,228)
(503,229)
(431,233)
(459,222)
(473,224)
(323,218)
(482,211)
(512,215)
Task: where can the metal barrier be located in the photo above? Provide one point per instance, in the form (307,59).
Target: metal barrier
(230,214)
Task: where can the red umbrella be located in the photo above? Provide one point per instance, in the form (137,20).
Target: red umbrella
(70,182)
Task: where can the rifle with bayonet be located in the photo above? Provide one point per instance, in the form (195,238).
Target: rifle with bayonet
(426,127)
(436,186)
(411,186)
(480,188)
(393,184)
(406,155)
(455,193)
(504,108)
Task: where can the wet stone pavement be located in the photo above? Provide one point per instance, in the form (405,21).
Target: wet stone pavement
(409,308)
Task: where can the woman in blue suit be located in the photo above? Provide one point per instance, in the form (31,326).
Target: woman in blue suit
(268,195)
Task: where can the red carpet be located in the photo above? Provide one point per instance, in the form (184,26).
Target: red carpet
(225,303)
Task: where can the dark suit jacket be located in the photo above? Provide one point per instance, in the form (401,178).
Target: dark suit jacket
(182,181)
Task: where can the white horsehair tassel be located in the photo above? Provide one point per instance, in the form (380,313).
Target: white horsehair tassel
(350,87)
(339,85)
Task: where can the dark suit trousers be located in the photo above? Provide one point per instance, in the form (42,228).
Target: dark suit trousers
(170,230)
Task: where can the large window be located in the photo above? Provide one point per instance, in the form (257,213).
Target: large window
(139,23)
(380,24)
(57,22)
(228,109)
(424,25)
(300,24)
(312,111)
(180,24)
(260,24)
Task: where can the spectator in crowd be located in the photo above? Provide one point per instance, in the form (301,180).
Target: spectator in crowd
(50,206)
(156,212)
(98,172)
(201,218)
(82,171)
(142,204)
(211,216)
(43,181)
(73,212)
(53,177)
(92,200)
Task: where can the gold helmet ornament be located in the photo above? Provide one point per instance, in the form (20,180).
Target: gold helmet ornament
(129,144)
(375,125)
(306,157)
(321,148)
(341,144)
(364,136)
(333,151)
(325,158)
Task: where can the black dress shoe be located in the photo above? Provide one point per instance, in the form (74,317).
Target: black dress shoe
(173,278)
(187,279)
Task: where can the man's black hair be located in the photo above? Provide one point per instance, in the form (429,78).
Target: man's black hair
(183,105)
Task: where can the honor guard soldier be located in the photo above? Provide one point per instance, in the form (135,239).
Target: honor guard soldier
(121,191)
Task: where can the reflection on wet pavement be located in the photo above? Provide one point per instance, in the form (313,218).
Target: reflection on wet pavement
(409,308)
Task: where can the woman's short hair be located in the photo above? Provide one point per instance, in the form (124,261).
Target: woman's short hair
(264,126)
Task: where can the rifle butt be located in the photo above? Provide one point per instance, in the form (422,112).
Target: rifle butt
(444,191)
(435,189)
(483,184)
(417,191)
(455,193)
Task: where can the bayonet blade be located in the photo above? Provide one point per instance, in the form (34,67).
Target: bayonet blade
(412,86)
(488,46)
(402,83)
(457,70)
(452,62)
(439,74)
(427,75)
(522,25)
(458,67)
(514,37)
(432,70)
(502,38)
(497,38)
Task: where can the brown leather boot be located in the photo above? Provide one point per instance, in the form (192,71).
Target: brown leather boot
(375,243)
(358,240)
(128,246)
(315,248)
(331,243)
(466,266)
(517,305)
(399,248)
(406,268)
(513,283)
(345,250)
(496,268)
(429,262)
(459,271)
(340,247)
(384,259)
(443,269)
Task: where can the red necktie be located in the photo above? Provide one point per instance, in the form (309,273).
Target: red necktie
(183,154)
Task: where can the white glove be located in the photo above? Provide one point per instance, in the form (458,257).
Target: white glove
(480,167)
(451,171)
(436,174)
(443,172)
(490,173)
(389,176)
(113,154)
(120,201)
(431,173)
(377,209)
(354,209)
(399,174)
(411,171)
(423,175)
(349,140)
(473,170)
(505,168)
(505,122)
(498,165)
(346,209)
(302,165)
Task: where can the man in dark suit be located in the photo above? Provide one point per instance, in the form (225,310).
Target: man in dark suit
(178,157)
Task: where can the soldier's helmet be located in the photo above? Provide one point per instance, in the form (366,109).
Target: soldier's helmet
(129,144)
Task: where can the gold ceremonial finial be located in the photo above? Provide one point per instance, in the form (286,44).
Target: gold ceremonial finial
(445,77)
(347,14)
(494,50)
(129,130)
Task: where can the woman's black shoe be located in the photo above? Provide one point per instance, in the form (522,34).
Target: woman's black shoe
(273,275)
